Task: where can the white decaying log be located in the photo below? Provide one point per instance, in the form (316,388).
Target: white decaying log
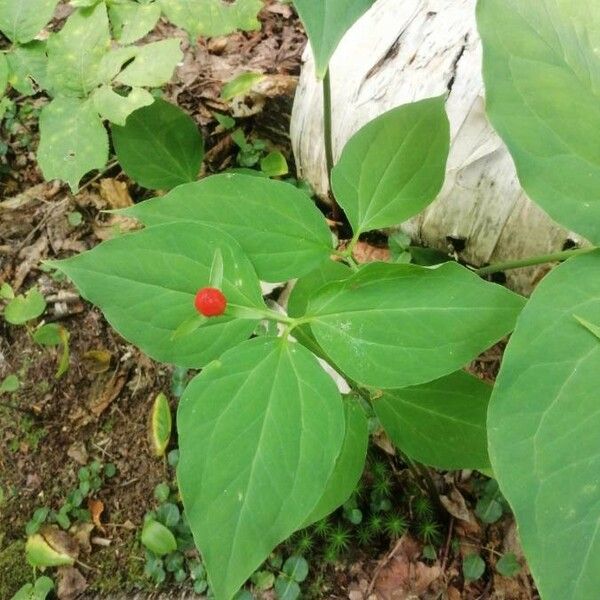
(402,51)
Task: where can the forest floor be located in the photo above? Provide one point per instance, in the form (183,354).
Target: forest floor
(99,409)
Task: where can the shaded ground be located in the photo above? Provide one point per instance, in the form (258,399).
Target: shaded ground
(99,409)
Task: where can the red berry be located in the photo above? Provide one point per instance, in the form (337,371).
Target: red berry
(210,302)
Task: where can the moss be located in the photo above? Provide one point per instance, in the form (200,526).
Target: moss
(14,570)
(119,575)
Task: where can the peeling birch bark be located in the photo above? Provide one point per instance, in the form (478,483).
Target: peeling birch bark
(402,51)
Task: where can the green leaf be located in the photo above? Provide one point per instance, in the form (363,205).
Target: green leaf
(153,65)
(40,553)
(48,335)
(263,580)
(441,423)
(260,431)
(212,18)
(6,291)
(38,591)
(286,588)
(146,282)
(3,73)
(473,567)
(543,424)
(10,384)
(73,140)
(394,326)
(22,20)
(240,85)
(326,22)
(274,164)
(541,70)
(158,538)
(296,568)
(349,465)
(76,52)
(132,21)
(508,565)
(593,329)
(160,424)
(24,308)
(28,64)
(276,224)
(160,146)
(115,107)
(393,167)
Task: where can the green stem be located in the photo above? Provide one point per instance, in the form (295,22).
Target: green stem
(530,262)
(327,124)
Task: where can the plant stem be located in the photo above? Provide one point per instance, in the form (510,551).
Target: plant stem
(336,212)
(327,124)
(530,262)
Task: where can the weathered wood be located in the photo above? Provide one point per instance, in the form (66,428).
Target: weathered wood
(404,51)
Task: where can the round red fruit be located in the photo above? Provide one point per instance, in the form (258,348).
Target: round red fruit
(210,302)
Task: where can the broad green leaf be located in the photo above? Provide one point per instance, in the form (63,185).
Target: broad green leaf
(473,567)
(40,553)
(306,287)
(27,64)
(543,424)
(394,166)
(3,73)
(75,53)
(160,424)
(441,423)
(38,591)
(349,465)
(393,325)
(274,164)
(25,307)
(73,140)
(146,282)
(114,60)
(508,565)
(115,107)
(160,146)
(10,384)
(48,335)
(296,568)
(286,588)
(212,18)
(153,64)
(158,538)
(132,21)
(259,434)
(542,75)
(22,20)
(240,85)
(326,22)
(276,224)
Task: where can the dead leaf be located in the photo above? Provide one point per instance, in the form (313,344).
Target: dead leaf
(30,257)
(96,508)
(456,505)
(404,576)
(366,253)
(60,541)
(110,392)
(115,193)
(97,361)
(78,452)
(71,583)
(82,532)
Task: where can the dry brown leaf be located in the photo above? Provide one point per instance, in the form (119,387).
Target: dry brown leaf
(110,391)
(97,361)
(366,253)
(81,532)
(71,583)
(115,193)
(404,576)
(60,541)
(96,508)
(456,505)
(78,452)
